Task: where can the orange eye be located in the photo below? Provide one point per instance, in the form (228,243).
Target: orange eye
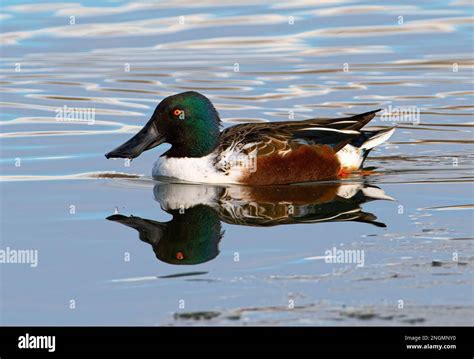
(177,112)
(179,256)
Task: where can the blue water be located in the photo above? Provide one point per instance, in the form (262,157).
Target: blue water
(422,179)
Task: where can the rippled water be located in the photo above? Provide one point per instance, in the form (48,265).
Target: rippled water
(256,62)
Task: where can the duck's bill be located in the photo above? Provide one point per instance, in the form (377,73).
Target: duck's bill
(145,140)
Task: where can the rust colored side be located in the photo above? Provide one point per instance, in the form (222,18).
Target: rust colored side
(302,164)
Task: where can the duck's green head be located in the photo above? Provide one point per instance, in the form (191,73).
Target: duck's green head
(188,121)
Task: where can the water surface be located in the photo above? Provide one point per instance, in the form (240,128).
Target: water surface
(97,265)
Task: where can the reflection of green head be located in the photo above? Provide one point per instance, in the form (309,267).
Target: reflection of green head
(191,237)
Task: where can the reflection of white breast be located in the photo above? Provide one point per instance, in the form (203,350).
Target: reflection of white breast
(174,196)
(199,169)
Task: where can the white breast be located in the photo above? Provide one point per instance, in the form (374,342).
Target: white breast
(190,169)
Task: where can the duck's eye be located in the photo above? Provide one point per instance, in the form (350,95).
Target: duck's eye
(177,112)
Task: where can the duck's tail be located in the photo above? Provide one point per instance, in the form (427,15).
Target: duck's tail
(353,155)
(371,139)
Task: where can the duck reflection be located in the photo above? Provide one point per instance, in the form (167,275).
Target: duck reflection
(192,236)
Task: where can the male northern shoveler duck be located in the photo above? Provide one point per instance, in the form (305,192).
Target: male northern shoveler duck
(251,153)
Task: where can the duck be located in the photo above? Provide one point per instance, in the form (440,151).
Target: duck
(262,153)
(198,212)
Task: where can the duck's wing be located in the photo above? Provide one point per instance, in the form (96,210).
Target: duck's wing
(282,136)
